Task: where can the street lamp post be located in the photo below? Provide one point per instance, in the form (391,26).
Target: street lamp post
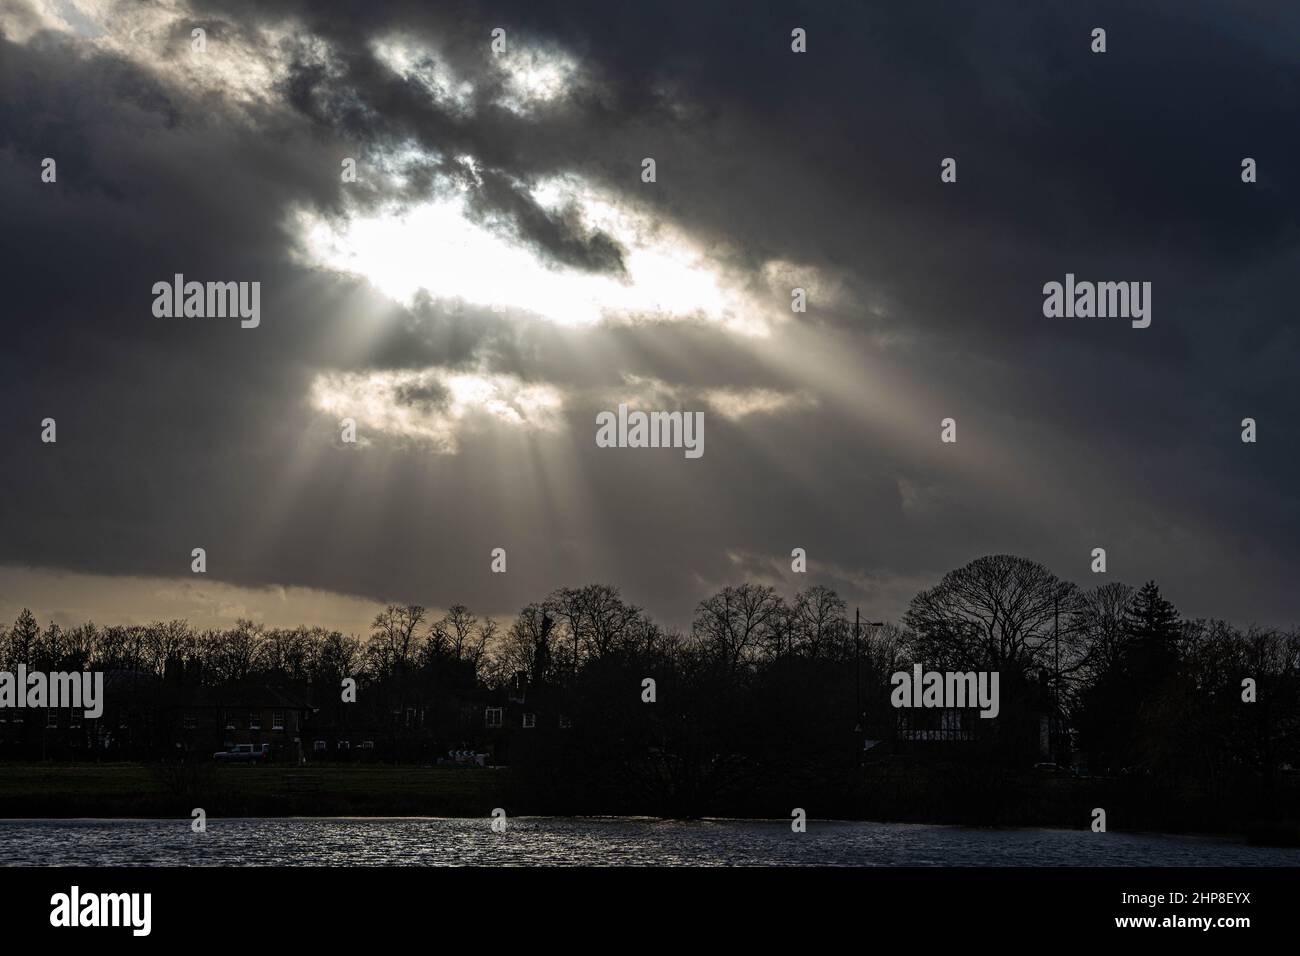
(859,727)
(857,668)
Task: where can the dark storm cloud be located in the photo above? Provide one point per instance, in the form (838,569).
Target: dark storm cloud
(559,238)
(1122,166)
(431,395)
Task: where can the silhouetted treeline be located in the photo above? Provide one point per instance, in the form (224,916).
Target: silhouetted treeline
(767,701)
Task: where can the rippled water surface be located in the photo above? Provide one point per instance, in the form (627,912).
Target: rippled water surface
(603,841)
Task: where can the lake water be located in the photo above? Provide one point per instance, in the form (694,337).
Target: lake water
(554,841)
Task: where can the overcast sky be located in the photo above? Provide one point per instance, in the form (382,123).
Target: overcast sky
(499,273)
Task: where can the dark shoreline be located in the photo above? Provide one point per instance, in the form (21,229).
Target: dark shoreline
(41,791)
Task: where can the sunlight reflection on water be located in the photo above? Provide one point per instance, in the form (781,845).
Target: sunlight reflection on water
(554,841)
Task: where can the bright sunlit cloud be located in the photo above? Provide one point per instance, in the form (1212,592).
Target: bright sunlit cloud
(535,77)
(426,67)
(438,248)
(236,67)
(434,405)
(530,77)
(732,404)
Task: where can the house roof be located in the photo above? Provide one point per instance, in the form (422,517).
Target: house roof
(250,695)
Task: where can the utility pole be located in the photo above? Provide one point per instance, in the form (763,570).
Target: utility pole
(857,669)
(1056,677)
(857,700)
(859,728)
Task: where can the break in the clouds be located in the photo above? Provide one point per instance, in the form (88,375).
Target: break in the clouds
(571,256)
(499,270)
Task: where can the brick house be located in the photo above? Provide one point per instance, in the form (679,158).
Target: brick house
(212,719)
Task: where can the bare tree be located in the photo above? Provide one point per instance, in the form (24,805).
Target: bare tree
(1101,625)
(525,647)
(233,654)
(731,623)
(611,618)
(568,608)
(285,652)
(165,643)
(392,648)
(995,613)
(336,656)
(484,637)
(594,620)
(455,631)
(819,621)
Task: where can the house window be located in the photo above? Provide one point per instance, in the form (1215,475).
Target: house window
(565,721)
(367,745)
(344,745)
(190,722)
(75,718)
(230,721)
(277,720)
(318,746)
(530,721)
(51,718)
(254,720)
(494,716)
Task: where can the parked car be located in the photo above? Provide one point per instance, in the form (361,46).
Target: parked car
(243,753)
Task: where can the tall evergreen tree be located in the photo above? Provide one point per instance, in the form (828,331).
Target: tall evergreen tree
(1151,629)
(1118,706)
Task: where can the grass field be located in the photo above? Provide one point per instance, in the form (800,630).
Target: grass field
(141,790)
(918,794)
